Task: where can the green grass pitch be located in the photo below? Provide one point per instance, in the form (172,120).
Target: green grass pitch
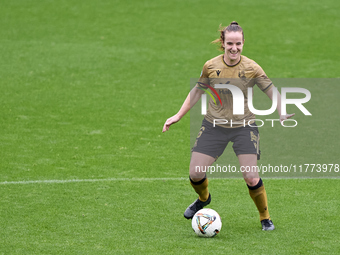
(86,87)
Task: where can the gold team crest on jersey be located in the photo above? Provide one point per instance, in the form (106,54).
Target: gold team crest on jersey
(242,74)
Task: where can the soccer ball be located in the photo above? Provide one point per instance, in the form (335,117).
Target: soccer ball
(206,223)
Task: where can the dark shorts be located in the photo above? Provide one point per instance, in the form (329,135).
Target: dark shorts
(213,140)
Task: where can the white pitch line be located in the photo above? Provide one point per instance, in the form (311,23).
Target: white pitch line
(129,179)
(90,180)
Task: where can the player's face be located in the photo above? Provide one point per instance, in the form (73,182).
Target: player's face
(233,45)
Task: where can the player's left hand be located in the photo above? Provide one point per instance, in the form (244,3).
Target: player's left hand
(285,117)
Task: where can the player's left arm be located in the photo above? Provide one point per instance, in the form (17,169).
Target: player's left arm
(269,93)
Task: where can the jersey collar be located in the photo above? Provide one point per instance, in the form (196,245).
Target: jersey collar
(230,65)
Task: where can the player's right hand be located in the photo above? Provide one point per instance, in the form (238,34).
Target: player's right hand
(169,122)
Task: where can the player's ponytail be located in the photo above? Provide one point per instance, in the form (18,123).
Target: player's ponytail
(233,23)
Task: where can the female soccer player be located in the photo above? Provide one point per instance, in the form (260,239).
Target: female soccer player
(242,72)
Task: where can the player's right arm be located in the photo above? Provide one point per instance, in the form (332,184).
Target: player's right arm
(192,98)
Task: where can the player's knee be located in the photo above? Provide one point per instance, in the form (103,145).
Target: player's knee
(252,181)
(196,175)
